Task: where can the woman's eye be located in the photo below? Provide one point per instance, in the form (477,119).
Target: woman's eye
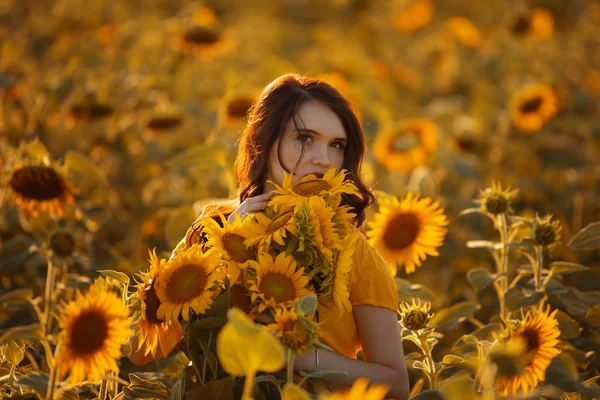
(338,145)
(305,138)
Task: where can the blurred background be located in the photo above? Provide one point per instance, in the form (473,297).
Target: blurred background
(144,100)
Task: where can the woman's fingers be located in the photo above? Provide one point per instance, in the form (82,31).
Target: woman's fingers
(251,205)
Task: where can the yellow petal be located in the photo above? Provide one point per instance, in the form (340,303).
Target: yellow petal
(294,392)
(244,348)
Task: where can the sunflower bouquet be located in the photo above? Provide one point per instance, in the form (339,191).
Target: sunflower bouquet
(299,245)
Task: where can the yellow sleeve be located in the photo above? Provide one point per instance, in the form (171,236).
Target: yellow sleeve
(370,281)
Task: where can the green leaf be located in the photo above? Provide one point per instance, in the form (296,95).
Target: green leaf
(37,382)
(17,296)
(220,389)
(13,353)
(430,394)
(307,304)
(577,302)
(451,359)
(516,298)
(407,291)
(66,395)
(120,276)
(587,238)
(177,224)
(418,365)
(480,278)
(31,332)
(415,355)
(563,267)
(76,161)
(323,373)
(569,328)
(593,319)
(451,316)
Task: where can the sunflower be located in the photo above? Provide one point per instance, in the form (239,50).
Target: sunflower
(40,188)
(465,31)
(360,390)
(271,226)
(533,106)
(418,14)
(315,227)
(406,145)
(406,231)
(203,41)
(94,327)
(295,331)
(190,280)
(277,282)
(230,241)
(496,200)
(331,186)
(234,108)
(341,294)
(156,336)
(538,25)
(540,332)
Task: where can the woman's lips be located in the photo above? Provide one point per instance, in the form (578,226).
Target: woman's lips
(317,174)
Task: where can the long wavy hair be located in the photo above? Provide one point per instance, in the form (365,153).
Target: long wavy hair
(266,122)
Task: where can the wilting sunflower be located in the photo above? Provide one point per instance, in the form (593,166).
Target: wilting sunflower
(414,17)
(331,186)
(156,336)
(295,331)
(277,282)
(465,31)
(360,390)
(40,187)
(533,106)
(229,241)
(406,231)
(406,145)
(190,280)
(315,227)
(94,327)
(540,332)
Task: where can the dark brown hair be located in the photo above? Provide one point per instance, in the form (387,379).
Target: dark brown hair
(266,122)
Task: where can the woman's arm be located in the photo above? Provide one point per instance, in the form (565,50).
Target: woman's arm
(382,347)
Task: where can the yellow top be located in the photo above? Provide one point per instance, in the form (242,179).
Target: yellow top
(369,282)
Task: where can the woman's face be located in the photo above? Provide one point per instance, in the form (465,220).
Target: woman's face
(324,138)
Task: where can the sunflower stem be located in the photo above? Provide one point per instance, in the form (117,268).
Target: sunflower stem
(538,267)
(429,363)
(503,267)
(248,383)
(48,304)
(290,366)
(54,366)
(103,388)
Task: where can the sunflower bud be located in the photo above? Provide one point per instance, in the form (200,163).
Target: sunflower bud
(415,316)
(546,232)
(496,200)
(63,243)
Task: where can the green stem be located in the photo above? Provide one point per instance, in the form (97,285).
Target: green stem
(503,267)
(290,366)
(189,353)
(429,363)
(48,303)
(538,267)
(103,388)
(247,393)
(54,367)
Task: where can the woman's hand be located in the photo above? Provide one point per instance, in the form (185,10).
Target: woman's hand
(250,206)
(263,318)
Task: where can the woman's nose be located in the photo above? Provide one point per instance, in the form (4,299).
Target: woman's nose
(321,157)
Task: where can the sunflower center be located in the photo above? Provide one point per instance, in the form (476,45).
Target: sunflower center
(152,304)
(186,283)
(287,325)
(278,287)
(89,332)
(405,141)
(531,105)
(37,183)
(234,245)
(62,244)
(311,188)
(532,338)
(279,222)
(201,35)
(401,231)
(238,107)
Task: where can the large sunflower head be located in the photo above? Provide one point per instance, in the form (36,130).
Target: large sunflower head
(406,144)
(295,331)
(94,327)
(331,186)
(538,333)
(533,106)
(156,336)
(38,184)
(406,231)
(189,281)
(273,225)
(277,282)
(315,228)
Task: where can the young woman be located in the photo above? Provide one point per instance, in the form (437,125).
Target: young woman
(305,126)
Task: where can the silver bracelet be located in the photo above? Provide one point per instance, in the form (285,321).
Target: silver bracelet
(317,358)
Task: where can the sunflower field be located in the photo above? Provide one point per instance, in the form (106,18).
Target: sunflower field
(120,120)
